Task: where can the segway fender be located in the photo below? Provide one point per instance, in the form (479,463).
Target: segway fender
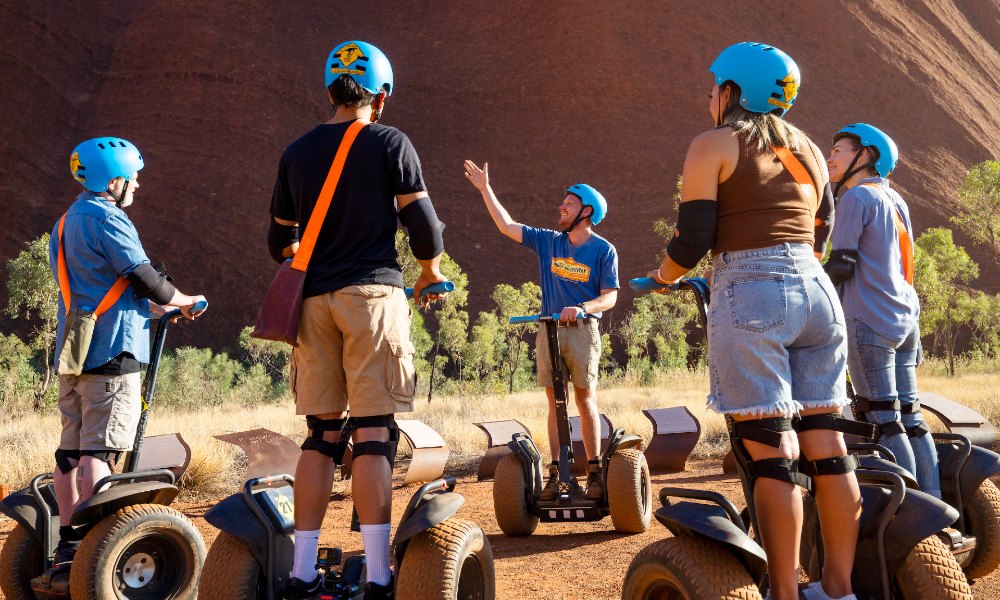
(980,465)
(629,440)
(233,516)
(23,508)
(875,463)
(121,495)
(432,512)
(696,519)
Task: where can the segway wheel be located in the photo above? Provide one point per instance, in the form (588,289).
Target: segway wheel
(21,561)
(630,491)
(145,551)
(687,568)
(450,561)
(982,517)
(231,572)
(513,513)
(931,571)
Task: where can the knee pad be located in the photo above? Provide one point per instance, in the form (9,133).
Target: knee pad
(386,449)
(836,465)
(315,441)
(913,408)
(109,456)
(863,406)
(63,457)
(767,431)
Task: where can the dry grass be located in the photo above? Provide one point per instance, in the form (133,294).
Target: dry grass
(216,467)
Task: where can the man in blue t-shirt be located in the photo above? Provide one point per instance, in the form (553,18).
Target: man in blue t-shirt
(579,277)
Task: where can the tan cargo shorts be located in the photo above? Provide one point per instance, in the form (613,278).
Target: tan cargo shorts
(354,353)
(99,412)
(580,347)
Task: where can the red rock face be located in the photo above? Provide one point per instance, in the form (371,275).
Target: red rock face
(549,93)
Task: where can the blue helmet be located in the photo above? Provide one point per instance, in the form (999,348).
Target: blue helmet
(886,153)
(96,162)
(364,63)
(592,198)
(768,78)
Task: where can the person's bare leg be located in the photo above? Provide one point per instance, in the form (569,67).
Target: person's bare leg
(91,470)
(838,502)
(371,480)
(779,514)
(586,403)
(67,493)
(553,424)
(314,481)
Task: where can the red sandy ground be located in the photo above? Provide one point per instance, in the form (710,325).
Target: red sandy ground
(571,561)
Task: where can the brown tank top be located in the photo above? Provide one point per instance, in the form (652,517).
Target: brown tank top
(761,205)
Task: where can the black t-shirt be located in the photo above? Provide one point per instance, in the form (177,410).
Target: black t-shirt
(356,244)
(123,364)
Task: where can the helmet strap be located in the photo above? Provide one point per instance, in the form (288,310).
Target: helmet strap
(851,171)
(377,105)
(578,219)
(119,198)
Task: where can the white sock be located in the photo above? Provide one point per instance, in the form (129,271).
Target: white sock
(306,547)
(376,541)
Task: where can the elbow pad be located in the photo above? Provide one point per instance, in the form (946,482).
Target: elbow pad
(425,230)
(280,237)
(150,283)
(695,233)
(840,267)
(824,220)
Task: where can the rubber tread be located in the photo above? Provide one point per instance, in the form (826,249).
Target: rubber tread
(509,504)
(630,511)
(931,571)
(230,572)
(15,574)
(87,568)
(433,560)
(982,517)
(697,568)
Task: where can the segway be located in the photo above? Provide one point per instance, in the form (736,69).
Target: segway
(134,545)
(518,479)
(713,554)
(965,469)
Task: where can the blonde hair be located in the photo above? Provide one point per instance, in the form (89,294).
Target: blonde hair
(763,129)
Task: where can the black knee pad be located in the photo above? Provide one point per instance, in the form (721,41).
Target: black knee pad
(768,431)
(386,449)
(315,441)
(918,431)
(836,465)
(109,456)
(63,457)
(863,405)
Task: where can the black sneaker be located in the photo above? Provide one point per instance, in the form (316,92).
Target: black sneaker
(55,579)
(374,591)
(296,589)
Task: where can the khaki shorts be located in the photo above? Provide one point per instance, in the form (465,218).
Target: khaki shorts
(580,347)
(354,353)
(99,412)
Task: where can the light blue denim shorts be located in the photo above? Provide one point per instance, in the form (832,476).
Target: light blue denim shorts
(777,340)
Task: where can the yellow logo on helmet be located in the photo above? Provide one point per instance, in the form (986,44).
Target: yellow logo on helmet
(348,55)
(790,89)
(74,167)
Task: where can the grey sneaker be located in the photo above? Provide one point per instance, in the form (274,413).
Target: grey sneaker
(815,591)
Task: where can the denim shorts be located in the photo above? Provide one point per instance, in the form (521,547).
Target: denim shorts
(777,340)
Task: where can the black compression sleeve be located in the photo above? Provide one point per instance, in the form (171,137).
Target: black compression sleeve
(280,237)
(426,231)
(149,283)
(824,220)
(695,232)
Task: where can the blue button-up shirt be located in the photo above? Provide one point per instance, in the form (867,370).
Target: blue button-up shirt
(100,243)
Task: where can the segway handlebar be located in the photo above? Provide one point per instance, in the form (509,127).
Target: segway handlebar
(698,285)
(540,318)
(442,287)
(259,481)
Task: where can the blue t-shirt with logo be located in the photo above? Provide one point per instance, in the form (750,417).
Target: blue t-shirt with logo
(571,274)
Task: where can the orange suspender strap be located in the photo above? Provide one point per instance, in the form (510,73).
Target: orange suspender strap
(109,299)
(308,241)
(801,177)
(905,245)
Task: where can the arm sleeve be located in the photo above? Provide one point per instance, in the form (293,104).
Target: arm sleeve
(609,270)
(530,238)
(849,225)
(824,220)
(282,204)
(405,165)
(120,244)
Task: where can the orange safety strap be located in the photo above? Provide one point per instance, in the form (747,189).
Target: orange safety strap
(905,244)
(308,241)
(109,299)
(801,177)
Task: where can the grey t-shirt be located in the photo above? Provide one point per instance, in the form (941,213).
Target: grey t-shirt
(878,294)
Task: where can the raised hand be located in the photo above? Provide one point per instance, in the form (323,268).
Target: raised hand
(478,177)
